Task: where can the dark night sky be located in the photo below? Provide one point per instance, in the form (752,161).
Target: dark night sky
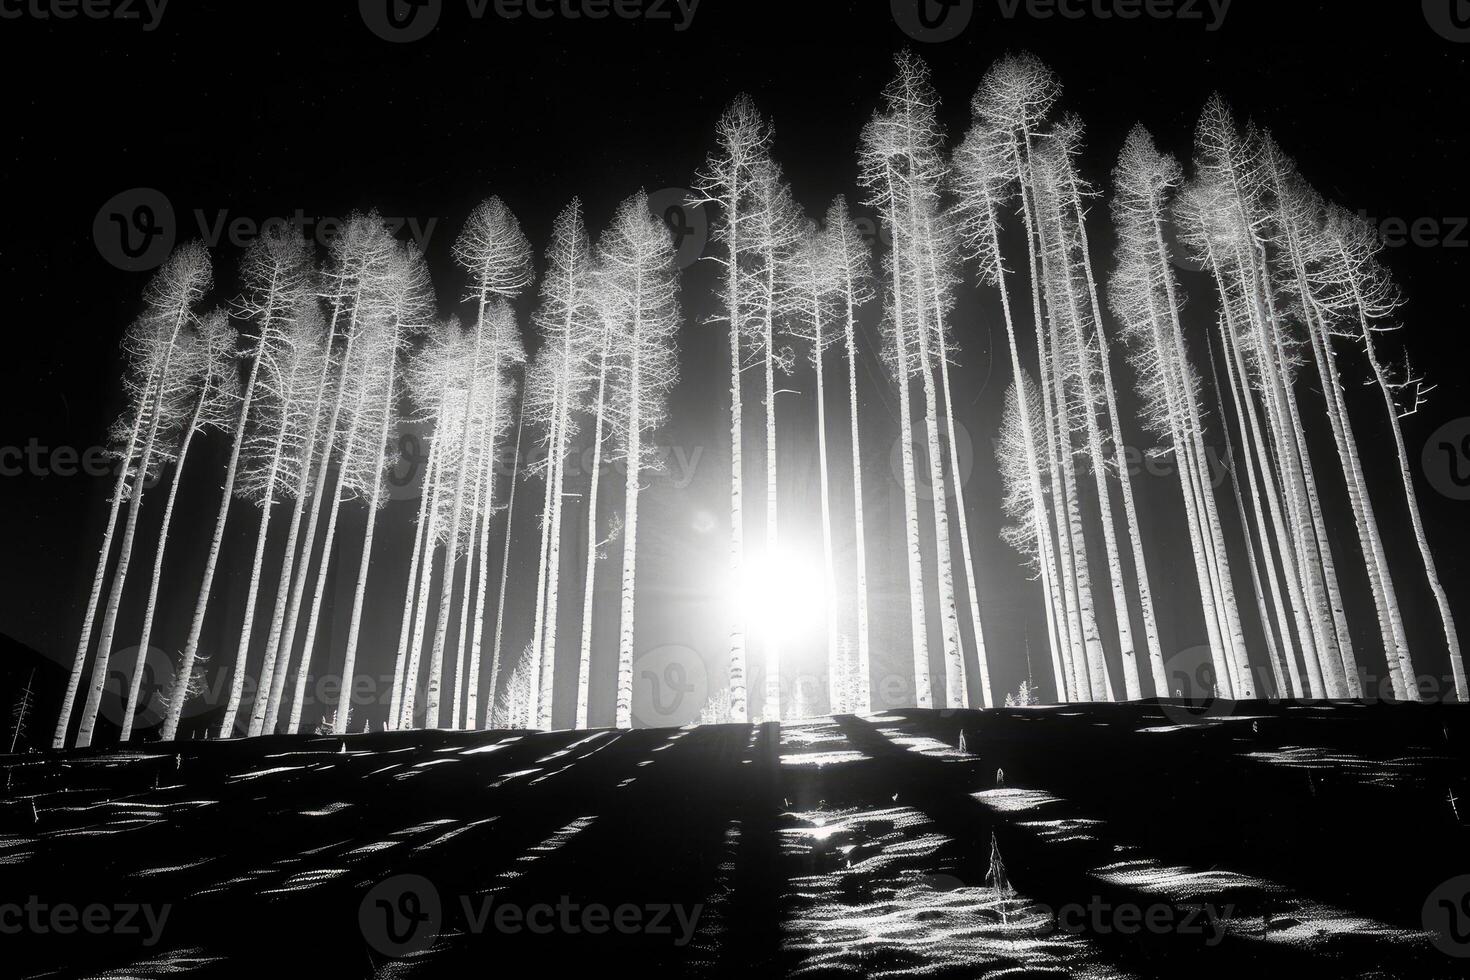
(262,109)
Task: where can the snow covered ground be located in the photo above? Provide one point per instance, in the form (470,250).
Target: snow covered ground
(1083,840)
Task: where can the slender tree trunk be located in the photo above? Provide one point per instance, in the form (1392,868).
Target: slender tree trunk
(1252,451)
(421,547)
(1447,620)
(206,583)
(349,658)
(421,606)
(94,598)
(770,639)
(298,586)
(630,539)
(553,572)
(1098,463)
(835,670)
(1235,654)
(1125,478)
(451,547)
(510,513)
(987,697)
(1299,544)
(739,661)
(1375,560)
(466,583)
(949,620)
(1046,558)
(125,555)
(308,646)
(1336,650)
(918,623)
(1091,668)
(864,662)
(589,580)
(1095,664)
(146,636)
(1273,649)
(487,513)
(252,594)
(1069,623)
(1192,510)
(538,624)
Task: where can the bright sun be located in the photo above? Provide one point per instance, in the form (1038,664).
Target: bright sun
(784,597)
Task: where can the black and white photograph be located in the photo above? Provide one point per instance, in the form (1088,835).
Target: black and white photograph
(735,488)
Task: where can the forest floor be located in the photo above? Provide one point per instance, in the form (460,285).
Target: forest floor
(1104,840)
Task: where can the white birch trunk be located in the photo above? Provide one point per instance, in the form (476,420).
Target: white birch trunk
(589,579)
(94,598)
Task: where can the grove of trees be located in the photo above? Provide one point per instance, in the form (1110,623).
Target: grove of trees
(306,378)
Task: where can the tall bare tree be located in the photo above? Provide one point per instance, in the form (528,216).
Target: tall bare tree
(742,141)
(636,255)
(212,382)
(497,259)
(853,258)
(279,279)
(1355,286)
(155,406)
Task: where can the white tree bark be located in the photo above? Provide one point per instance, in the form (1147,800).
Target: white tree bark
(151,607)
(94,598)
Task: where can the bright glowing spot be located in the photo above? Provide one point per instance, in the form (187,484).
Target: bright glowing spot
(784,597)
